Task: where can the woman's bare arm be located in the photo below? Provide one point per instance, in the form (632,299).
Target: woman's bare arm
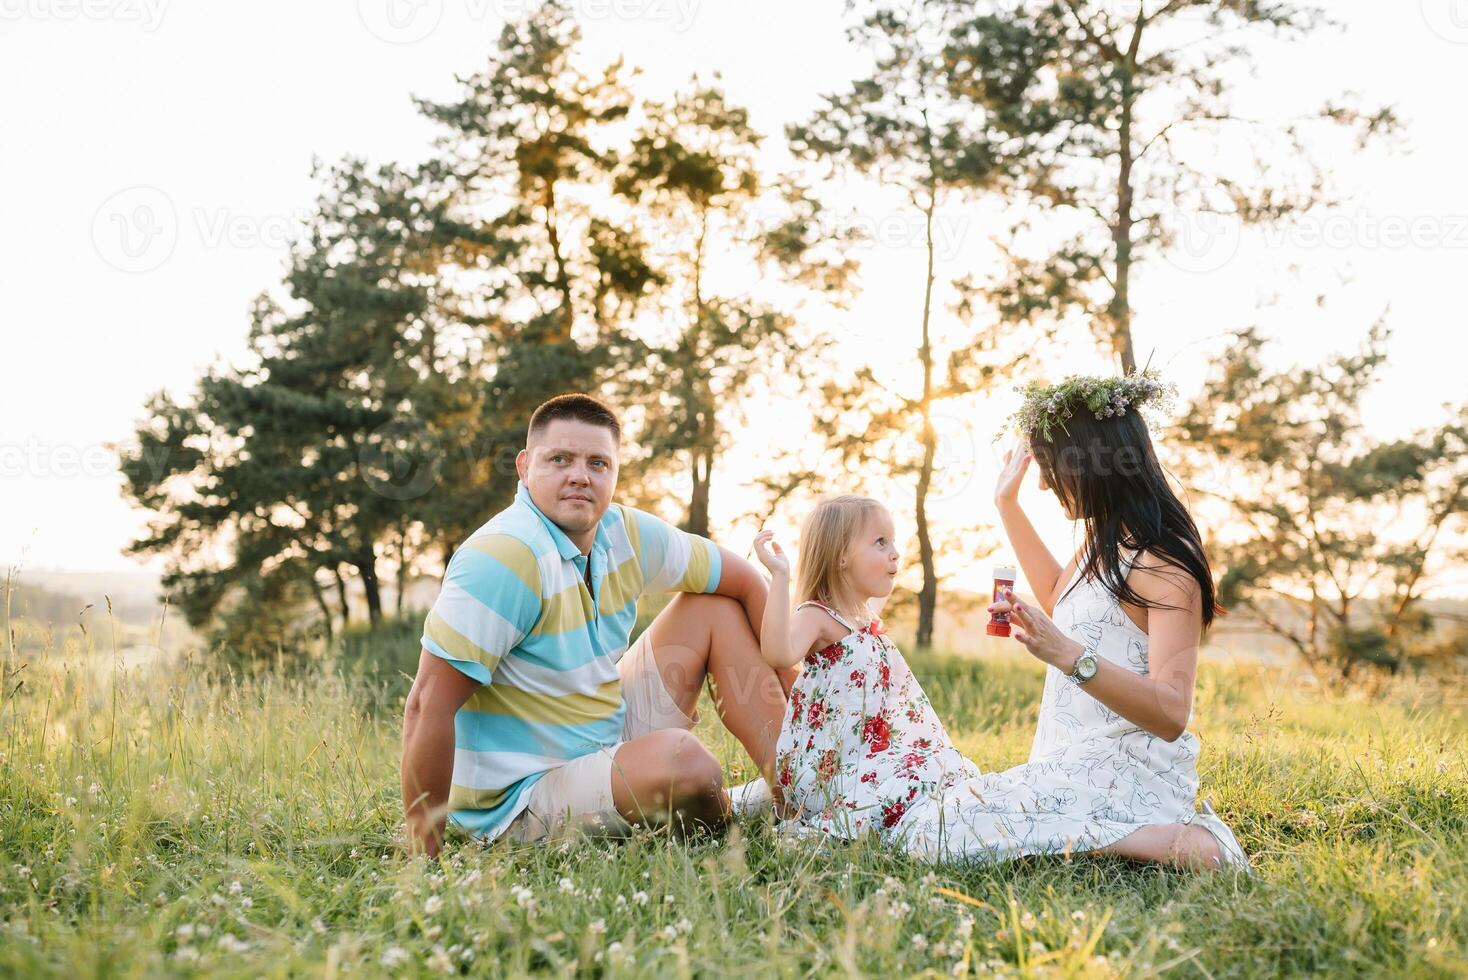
(1041,569)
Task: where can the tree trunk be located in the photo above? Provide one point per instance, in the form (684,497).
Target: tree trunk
(698,501)
(321,604)
(1119,311)
(928,596)
(402,583)
(341,596)
(367,568)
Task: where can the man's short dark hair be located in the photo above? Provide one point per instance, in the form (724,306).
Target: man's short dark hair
(577,408)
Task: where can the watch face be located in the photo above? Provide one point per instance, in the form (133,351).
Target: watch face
(1086,667)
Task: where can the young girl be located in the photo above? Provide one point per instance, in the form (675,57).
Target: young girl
(1112,765)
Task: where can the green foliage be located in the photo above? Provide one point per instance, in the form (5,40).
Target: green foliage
(1334,536)
(1107,118)
(185,820)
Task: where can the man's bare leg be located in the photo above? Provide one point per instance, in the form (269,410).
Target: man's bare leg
(707,636)
(668,776)
(1184,846)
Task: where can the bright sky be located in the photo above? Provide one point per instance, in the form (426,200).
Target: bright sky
(202,119)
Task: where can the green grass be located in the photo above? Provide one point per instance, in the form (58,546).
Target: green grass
(188,820)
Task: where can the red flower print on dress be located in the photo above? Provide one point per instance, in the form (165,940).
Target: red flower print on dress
(797,698)
(884,676)
(784,775)
(829,763)
(830,654)
(892,813)
(815,715)
(869,777)
(876,731)
(859,678)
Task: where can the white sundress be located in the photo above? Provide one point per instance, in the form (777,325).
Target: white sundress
(1092,778)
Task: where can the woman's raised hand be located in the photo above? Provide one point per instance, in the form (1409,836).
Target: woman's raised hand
(1012,475)
(771,555)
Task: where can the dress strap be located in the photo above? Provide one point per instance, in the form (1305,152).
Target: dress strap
(834,614)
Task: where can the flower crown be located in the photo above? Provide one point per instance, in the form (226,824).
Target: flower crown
(1048,406)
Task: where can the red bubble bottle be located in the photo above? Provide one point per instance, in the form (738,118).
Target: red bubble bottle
(1004,577)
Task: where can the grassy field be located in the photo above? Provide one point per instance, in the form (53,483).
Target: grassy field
(173,819)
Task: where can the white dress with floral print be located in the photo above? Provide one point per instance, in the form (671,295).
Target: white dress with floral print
(861,748)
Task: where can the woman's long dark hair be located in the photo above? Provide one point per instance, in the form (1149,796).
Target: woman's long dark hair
(1107,472)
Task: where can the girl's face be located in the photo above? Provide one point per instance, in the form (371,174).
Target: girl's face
(870,564)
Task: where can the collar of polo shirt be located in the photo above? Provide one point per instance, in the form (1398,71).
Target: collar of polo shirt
(564,545)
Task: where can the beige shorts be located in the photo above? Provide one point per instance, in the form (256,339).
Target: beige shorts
(578,795)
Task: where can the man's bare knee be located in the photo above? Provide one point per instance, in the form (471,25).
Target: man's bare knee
(694,772)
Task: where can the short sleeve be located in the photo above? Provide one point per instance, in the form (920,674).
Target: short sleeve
(489,602)
(673,560)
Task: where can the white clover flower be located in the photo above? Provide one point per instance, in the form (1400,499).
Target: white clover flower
(640,898)
(523,896)
(185,931)
(434,903)
(597,927)
(439,961)
(187,954)
(394,957)
(232,944)
(318,927)
(235,887)
(919,942)
(567,885)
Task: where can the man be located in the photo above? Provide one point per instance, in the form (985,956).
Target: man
(530,713)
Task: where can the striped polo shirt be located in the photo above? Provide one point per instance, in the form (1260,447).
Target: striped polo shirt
(514,614)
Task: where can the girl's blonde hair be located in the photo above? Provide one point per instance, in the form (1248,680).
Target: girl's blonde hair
(827,533)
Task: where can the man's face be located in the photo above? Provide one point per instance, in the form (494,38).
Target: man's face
(571,470)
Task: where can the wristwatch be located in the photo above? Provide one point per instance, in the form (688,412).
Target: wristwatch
(1084,669)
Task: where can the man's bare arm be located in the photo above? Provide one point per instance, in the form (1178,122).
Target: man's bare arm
(438,692)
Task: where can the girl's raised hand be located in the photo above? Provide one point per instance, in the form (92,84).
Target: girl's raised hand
(1012,474)
(770,554)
